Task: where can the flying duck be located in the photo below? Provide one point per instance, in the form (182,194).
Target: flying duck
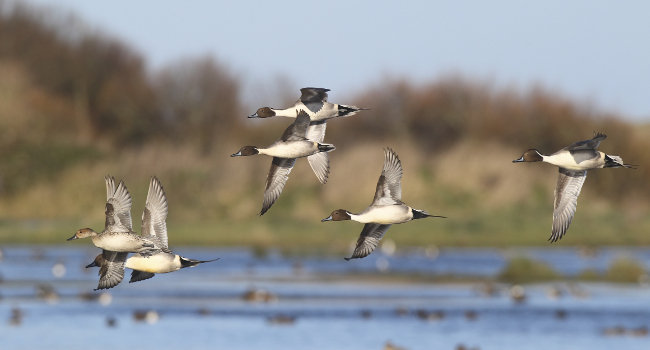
(293,144)
(314,102)
(386,208)
(154,227)
(118,235)
(573,162)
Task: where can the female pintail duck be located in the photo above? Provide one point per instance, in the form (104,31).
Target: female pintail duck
(573,161)
(387,208)
(154,227)
(314,102)
(118,235)
(293,144)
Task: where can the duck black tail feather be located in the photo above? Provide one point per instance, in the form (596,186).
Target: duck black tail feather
(346,111)
(326,147)
(185,262)
(421,214)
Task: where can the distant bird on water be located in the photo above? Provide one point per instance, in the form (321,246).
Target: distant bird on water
(386,208)
(314,102)
(573,161)
(293,144)
(154,227)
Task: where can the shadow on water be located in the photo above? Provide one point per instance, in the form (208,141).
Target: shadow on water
(275,302)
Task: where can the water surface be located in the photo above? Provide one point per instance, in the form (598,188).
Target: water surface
(319,303)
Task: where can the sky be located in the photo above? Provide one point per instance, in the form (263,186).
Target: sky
(591,51)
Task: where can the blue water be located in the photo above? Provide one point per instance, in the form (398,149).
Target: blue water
(331,302)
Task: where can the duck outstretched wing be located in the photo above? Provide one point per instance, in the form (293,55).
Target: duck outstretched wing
(368,240)
(389,188)
(591,144)
(278,176)
(569,184)
(118,207)
(111,270)
(154,216)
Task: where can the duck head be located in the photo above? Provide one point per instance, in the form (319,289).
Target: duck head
(338,215)
(83,233)
(264,112)
(246,151)
(532,155)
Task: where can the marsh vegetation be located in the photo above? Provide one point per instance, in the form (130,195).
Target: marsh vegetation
(75,106)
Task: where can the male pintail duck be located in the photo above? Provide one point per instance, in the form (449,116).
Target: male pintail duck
(314,102)
(573,161)
(293,144)
(386,208)
(154,227)
(118,235)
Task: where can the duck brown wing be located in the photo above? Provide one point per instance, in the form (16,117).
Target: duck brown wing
(368,240)
(297,131)
(118,207)
(154,216)
(137,275)
(587,144)
(389,188)
(278,176)
(111,272)
(569,184)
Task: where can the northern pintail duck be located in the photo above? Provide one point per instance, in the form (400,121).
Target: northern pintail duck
(314,102)
(386,208)
(118,235)
(573,161)
(293,144)
(154,227)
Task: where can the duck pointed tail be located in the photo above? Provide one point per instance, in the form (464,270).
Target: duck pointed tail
(616,162)
(421,214)
(325,147)
(346,111)
(185,262)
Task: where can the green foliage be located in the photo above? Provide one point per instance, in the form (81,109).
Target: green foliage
(589,275)
(25,164)
(625,270)
(526,270)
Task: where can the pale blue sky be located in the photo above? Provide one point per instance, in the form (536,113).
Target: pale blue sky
(595,51)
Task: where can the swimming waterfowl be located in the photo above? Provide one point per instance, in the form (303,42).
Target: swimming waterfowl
(118,235)
(314,102)
(386,208)
(293,144)
(573,162)
(154,227)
